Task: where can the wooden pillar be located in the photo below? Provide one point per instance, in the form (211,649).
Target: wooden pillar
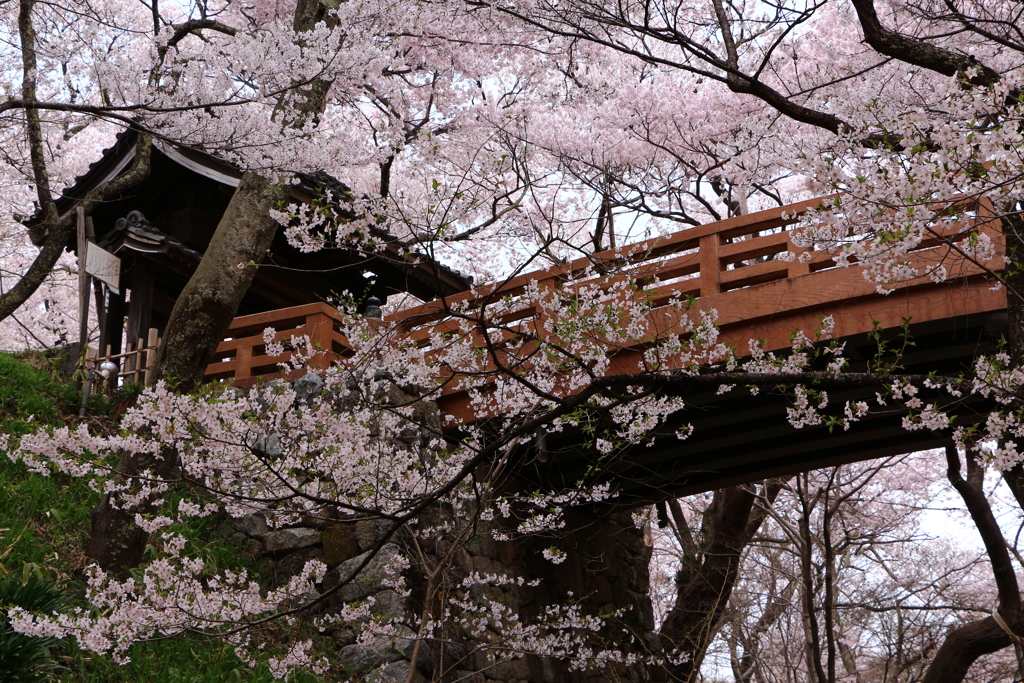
(243,362)
(547,290)
(91,354)
(113,322)
(710,264)
(140,307)
(83,280)
(152,342)
(320,327)
(140,312)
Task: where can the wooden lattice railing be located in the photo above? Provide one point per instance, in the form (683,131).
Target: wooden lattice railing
(731,266)
(242,358)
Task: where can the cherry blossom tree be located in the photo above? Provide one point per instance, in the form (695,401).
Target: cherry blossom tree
(849,586)
(541,128)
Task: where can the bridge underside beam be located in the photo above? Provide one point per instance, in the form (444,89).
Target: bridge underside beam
(738,438)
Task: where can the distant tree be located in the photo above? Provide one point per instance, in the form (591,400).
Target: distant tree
(844,583)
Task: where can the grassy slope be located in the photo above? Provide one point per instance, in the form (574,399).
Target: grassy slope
(43,526)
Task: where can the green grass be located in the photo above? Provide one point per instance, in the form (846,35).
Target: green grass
(24,659)
(28,388)
(44,523)
(43,520)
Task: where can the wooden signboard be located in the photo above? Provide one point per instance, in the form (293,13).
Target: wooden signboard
(104,266)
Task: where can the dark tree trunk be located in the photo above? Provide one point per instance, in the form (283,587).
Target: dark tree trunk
(198,323)
(707,578)
(704,590)
(962,647)
(209,302)
(116,543)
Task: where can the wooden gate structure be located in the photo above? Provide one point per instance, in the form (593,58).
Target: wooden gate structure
(731,266)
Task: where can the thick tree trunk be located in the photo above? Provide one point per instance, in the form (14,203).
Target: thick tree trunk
(208,304)
(206,307)
(704,590)
(198,322)
(962,647)
(116,543)
(710,570)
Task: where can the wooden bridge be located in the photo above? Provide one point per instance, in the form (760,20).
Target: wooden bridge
(730,266)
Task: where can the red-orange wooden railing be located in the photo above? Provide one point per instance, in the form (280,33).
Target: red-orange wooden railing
(242,358)
(729,265)
(719,264)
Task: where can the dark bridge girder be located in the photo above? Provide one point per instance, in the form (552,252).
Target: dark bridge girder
(738,438)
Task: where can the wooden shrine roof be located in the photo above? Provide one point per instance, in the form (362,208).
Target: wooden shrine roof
(183,198)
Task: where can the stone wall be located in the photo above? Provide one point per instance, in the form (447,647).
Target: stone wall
(605,571)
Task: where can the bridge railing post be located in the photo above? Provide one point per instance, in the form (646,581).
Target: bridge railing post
(546,289)
(319,328)
(710,264)
(796,266)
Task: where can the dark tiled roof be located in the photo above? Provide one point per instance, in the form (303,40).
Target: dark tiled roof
(135,233)
(117,157)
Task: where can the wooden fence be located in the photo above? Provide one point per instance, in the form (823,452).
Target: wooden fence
(134,365)
(242,357)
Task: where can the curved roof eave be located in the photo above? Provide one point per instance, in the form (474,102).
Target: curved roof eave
(118,156)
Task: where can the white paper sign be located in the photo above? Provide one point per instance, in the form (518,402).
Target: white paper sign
(104,266)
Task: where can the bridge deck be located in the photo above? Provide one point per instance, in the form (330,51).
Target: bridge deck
(730,266)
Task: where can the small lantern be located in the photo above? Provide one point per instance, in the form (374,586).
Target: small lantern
(108,368)
(372,308)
